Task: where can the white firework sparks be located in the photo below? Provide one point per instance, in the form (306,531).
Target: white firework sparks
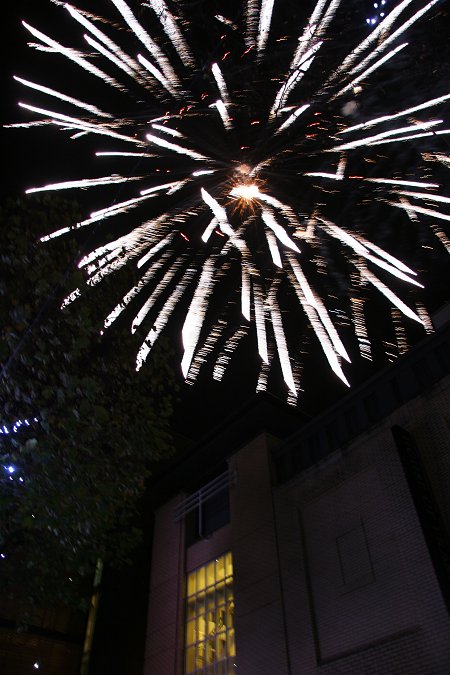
(243,190)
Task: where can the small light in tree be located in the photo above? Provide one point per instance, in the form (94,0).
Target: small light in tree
(36,665)
(2,555)
(16,426)
(10,468)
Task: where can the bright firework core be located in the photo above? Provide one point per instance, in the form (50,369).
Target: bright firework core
(245,194)
(332,164)
(246,191)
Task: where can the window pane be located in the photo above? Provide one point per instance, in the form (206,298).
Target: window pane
(210,574)
(201,627)
(210,600)
(231,643)
(229,565)
(190,632)
(220,568)
(210,651)
(200,604)
(221,646)
(211,623)
(215,512)
(200,655)
(220,618)
(190,613)
(191,584)
(200,579)
(230,615)
(190,665)
(220,594)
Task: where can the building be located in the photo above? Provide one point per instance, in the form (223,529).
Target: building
(284,546)
(51,642)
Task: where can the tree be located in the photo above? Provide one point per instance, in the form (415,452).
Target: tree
(72,476)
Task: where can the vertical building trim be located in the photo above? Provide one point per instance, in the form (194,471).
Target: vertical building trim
(181,588)
(309,591)
(281,587)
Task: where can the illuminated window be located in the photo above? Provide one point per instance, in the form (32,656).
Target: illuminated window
(210,647)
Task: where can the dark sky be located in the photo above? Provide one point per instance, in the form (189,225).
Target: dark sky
(12,51)
(35,155)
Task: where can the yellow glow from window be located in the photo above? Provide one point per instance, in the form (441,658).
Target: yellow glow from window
(209,617)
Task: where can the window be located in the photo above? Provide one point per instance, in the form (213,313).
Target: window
(354,558)
(210,646)
(211,515)
(207,509)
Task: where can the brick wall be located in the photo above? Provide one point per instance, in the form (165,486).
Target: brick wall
(361,594)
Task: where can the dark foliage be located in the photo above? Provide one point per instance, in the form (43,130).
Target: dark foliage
(81,468)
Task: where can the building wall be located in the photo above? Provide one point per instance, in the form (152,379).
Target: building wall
(332,571)
(163,651)
(259,619)
(360,588)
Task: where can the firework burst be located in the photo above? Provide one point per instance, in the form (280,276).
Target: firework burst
(256,162)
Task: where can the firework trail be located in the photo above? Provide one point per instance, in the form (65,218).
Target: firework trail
(243,142)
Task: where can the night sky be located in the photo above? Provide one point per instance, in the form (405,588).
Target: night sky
(36,156)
